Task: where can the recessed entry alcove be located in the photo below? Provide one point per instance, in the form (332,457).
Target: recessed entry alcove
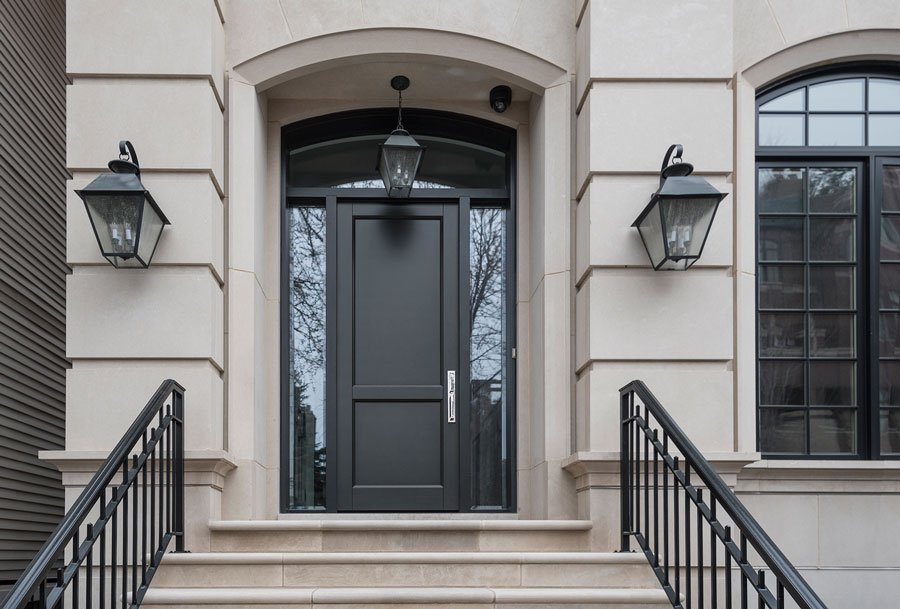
(398,317)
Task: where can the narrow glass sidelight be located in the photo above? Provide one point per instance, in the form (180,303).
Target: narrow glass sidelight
(306,358)
(489,362)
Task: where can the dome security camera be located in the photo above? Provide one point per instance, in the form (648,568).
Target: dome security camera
(501,97)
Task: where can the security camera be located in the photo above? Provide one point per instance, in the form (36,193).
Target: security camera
(501,96)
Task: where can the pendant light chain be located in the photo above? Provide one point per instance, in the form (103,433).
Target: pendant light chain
(400,109)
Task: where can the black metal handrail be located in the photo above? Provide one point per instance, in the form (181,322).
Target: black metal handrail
(678,575)
(161,451)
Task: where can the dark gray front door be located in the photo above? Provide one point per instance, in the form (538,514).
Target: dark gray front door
(397,339)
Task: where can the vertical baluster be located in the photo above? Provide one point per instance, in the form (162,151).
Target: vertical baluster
(152,516)
(101,604)
(75,561)
(636,469)
(744,562)
(779,591)
(62,589)
(687,534)
(727,568)
(125,535)
(676,524)
(714,568)
(178,400)
(89,572)
(42,595)
(700,548)
(761,603)
(113,551)
(625,470)
(169,470)
(143,511)
(655,500)
(665,516)
(647,479)
(162,460)
(136,497)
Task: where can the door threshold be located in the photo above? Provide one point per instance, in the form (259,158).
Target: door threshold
(398,516)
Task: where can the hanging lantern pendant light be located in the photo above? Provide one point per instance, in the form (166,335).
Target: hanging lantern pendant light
(400,155)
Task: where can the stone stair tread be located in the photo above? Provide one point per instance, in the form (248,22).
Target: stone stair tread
(267,596)
(400,525)
(475,557)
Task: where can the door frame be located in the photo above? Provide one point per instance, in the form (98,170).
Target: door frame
(424,122)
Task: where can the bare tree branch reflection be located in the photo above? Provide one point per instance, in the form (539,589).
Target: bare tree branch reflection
(307,356)
(487,308)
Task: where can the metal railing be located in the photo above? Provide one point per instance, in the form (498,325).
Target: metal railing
(113,538)
(683,517)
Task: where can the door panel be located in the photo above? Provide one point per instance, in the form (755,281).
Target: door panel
(397,325)
(397,301)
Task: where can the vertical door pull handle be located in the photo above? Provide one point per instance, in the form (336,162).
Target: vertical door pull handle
(451,396)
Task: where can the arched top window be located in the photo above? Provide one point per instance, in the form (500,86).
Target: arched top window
(831,111)
(340,151)
(828,265)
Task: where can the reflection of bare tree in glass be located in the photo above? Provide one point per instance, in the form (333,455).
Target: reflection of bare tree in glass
(307,354)
(487,348)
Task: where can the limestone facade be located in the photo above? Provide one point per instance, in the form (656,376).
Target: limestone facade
(600,90)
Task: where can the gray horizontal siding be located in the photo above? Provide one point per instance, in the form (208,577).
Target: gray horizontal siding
(32,274)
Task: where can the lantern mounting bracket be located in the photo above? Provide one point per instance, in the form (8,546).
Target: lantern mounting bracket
(677,168)
(127,161)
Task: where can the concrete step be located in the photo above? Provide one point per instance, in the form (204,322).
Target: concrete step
(407,535)
(384,598)
(405,569)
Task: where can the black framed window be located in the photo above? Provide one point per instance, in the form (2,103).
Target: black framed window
(828,279)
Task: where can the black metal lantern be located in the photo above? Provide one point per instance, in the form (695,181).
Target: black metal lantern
(675,224)
(400,155)
(125,218)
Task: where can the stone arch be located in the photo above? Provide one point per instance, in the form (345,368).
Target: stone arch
(857,45)
(331,51)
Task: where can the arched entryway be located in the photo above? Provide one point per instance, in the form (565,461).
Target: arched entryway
(398,318)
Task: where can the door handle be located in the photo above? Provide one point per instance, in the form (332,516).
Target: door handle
(451,396)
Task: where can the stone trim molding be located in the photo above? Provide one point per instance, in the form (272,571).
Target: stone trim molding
(746,473)
(593,470)
(201,467)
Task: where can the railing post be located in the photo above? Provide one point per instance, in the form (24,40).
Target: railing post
(178,473)
(625,469)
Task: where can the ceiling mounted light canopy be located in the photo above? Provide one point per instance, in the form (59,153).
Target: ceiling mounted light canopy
(126,220)
(400,155)
(675,224)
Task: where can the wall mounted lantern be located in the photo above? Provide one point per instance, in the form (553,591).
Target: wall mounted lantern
(675,224)
(125,218)
(399,156)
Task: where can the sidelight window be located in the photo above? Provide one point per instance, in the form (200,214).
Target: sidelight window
(306,357)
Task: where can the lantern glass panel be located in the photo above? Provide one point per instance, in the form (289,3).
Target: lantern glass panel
(151,228)
(686,224)
(115,218)
(651,231)
(399,165)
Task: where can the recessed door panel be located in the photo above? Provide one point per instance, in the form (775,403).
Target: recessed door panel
(397,301)
(398,329)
